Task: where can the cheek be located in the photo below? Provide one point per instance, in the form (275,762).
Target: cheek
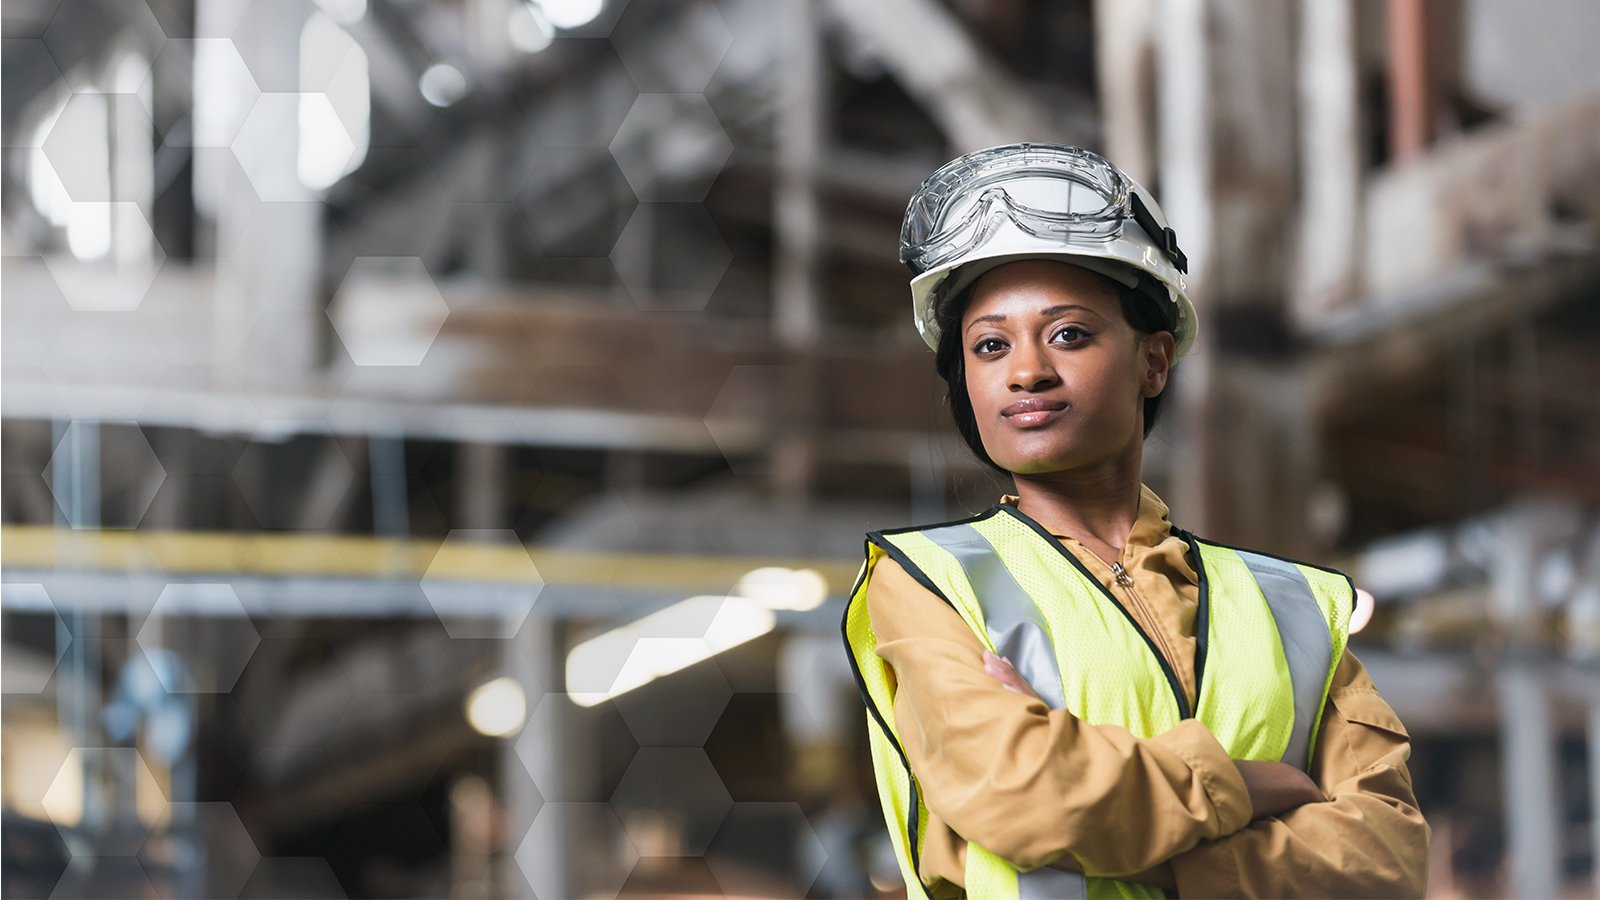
(986,394)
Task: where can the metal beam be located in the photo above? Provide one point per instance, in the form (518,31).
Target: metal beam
(974,99)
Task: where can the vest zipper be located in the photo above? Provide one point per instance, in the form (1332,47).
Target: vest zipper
(1134,598)
(1123,578)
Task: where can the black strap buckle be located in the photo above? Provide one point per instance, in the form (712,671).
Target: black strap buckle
(1165,238)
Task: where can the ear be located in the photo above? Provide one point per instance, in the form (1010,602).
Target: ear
(1156,353)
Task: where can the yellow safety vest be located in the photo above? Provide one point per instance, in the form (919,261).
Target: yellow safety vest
(1269,633)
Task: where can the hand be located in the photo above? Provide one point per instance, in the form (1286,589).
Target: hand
(1276,787)
(1001,668)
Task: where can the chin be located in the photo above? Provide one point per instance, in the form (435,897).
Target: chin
(1036,461)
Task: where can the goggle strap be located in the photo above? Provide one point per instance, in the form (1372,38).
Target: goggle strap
(1165,238)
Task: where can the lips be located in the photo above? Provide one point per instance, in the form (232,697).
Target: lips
(1033,405)
(1033,412)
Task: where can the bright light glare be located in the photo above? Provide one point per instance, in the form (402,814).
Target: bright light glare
(776,587)
(497,708)
(652,647)
(335,107)
(571,13)
(530,31)
(442,84)
(1362,614)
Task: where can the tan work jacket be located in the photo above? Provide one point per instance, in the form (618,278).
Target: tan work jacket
(1038,786)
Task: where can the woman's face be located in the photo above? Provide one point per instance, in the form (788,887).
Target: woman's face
(1056,375)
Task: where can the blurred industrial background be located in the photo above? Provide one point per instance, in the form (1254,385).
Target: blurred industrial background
(438,434)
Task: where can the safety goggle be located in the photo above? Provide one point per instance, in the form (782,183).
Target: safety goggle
(1050,191)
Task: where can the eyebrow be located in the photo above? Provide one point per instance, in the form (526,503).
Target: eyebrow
(1043,313)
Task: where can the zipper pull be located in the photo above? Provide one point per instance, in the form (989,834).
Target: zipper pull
(1123,578)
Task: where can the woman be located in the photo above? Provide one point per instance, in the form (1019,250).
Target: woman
(1067,695)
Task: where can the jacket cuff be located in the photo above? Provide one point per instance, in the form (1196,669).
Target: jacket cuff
(1194,743)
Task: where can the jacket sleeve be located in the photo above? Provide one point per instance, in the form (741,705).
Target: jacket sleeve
(1030,783)
(1368,839)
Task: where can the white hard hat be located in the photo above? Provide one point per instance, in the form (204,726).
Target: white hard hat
(1037,201)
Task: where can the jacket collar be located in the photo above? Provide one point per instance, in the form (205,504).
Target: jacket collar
(1150,527)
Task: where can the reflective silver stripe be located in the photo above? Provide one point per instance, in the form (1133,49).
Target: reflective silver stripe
(1307,645)
(1017,629)
(1045,883)
(1014,622)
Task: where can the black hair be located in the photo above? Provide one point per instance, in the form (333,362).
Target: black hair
(1146,307)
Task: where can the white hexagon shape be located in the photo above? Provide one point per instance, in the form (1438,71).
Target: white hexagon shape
(97,877)
(270,155)
(101,768)
(388,311)
(559,828)
(99,350)
(482,583)
(33,312)
(729,420)
(326,472)
(28,671)
(220,181)
(229,631)
(132,24)
(683,64)
(678,711)
(231,854)
(671,147)
(671,256)
(102,285)
(273,71)
(125,490)
(78,148)
(556,716)
(29,19)
(225,91)
(587,111)
(679,782)
(49,92)
(276,877)
(576,201)
(748,834)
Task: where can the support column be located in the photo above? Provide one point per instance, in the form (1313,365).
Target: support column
(269,308)
(1326,267)
(1528,780)
(482,475)
(1185,160)
(797,211)
(1527,727)
(75,481)
(1594,793)
(1125,69)
(1409,103)
(533,659)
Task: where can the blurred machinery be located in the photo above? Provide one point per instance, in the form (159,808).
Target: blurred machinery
(438,434)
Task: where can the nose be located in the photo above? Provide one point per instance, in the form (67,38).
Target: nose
(1030,368)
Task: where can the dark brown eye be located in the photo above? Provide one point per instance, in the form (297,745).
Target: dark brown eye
(1079,333)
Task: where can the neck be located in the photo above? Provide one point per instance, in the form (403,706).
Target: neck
(1100,503)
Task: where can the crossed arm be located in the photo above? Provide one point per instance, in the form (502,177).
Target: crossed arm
(1040,787)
